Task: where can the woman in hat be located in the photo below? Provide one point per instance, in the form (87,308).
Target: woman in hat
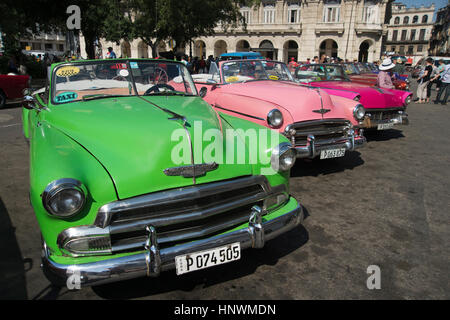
(384,78)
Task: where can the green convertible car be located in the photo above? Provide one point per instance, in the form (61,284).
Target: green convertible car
(132,174)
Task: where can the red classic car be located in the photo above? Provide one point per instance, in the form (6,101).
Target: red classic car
(11,87)
(365,76)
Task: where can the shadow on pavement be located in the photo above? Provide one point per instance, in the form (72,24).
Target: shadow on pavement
(316,167)
(385,135)
(12,266)
(169,281)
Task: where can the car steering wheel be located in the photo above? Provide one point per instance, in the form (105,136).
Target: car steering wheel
(156,87)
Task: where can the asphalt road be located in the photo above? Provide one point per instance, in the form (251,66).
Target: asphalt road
(386,205)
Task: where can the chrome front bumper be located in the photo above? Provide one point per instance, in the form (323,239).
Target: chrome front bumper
(314,149)
(368,123)
(154,261)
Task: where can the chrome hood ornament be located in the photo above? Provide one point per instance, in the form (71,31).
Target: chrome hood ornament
(194,171)
(322,111)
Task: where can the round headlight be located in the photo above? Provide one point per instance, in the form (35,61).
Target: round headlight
(275,118)
(408,100)
(283,157)
(64,198)
(359,113)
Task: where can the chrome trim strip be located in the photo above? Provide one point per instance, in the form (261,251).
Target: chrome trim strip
(242,114)
(140,265)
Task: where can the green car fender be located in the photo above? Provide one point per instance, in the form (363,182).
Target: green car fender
(56,156)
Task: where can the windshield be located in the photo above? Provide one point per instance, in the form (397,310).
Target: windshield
(363,68)
(277,71)
(350,69)
(317,72)
(96,80)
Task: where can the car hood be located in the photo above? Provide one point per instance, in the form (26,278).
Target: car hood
(302,103)
(132,138)
(371,97)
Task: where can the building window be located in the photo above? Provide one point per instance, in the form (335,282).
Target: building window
(293,13)
(413,35)
(332,11)
(394,35)
(410,49)
(415,19)
(422,34)
(405,20)
(269,14)
(61,47)
(424,19)
(404,34)
(246,14)
(402,50)
(48,46)
(397,20)
(393,49)
(370,12)
(36,46)
(420,48)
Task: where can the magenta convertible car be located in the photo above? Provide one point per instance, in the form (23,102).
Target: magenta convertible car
(385,108)
(318,124)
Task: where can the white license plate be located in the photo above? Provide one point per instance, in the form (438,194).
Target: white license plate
(333,153)
(207,259)
(385,126)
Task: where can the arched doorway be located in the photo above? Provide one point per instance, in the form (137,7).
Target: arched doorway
(220,47)
(242,46)
(290,51)
(142,50)
(125,50)
(200,49)
(329,47)
(268,50)
(364,52)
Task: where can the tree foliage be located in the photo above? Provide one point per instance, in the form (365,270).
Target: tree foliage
(113,20)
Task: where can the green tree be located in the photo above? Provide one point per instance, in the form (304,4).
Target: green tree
(184,20)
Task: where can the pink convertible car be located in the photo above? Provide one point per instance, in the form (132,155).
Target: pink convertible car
(384,107)
(317,124)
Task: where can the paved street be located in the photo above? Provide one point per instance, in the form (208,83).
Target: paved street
(386,205)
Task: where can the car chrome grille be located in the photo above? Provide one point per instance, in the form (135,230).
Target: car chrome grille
(184,214)
(383,115)
(324,131)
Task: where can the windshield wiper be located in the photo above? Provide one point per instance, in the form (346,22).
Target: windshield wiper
(101,96)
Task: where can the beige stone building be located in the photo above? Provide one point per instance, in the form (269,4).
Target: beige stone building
(410,30)
(281,29)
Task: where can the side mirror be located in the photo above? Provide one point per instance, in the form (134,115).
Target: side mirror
(211,81)
(203,92)
(27,92)
(29,103)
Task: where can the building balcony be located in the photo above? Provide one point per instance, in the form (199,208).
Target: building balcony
(327,27)
(375,28)
(264,28)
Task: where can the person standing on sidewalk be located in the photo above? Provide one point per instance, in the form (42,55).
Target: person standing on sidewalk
(423,82)
(445,86)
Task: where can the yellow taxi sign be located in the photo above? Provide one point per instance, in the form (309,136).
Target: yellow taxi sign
(68,71)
